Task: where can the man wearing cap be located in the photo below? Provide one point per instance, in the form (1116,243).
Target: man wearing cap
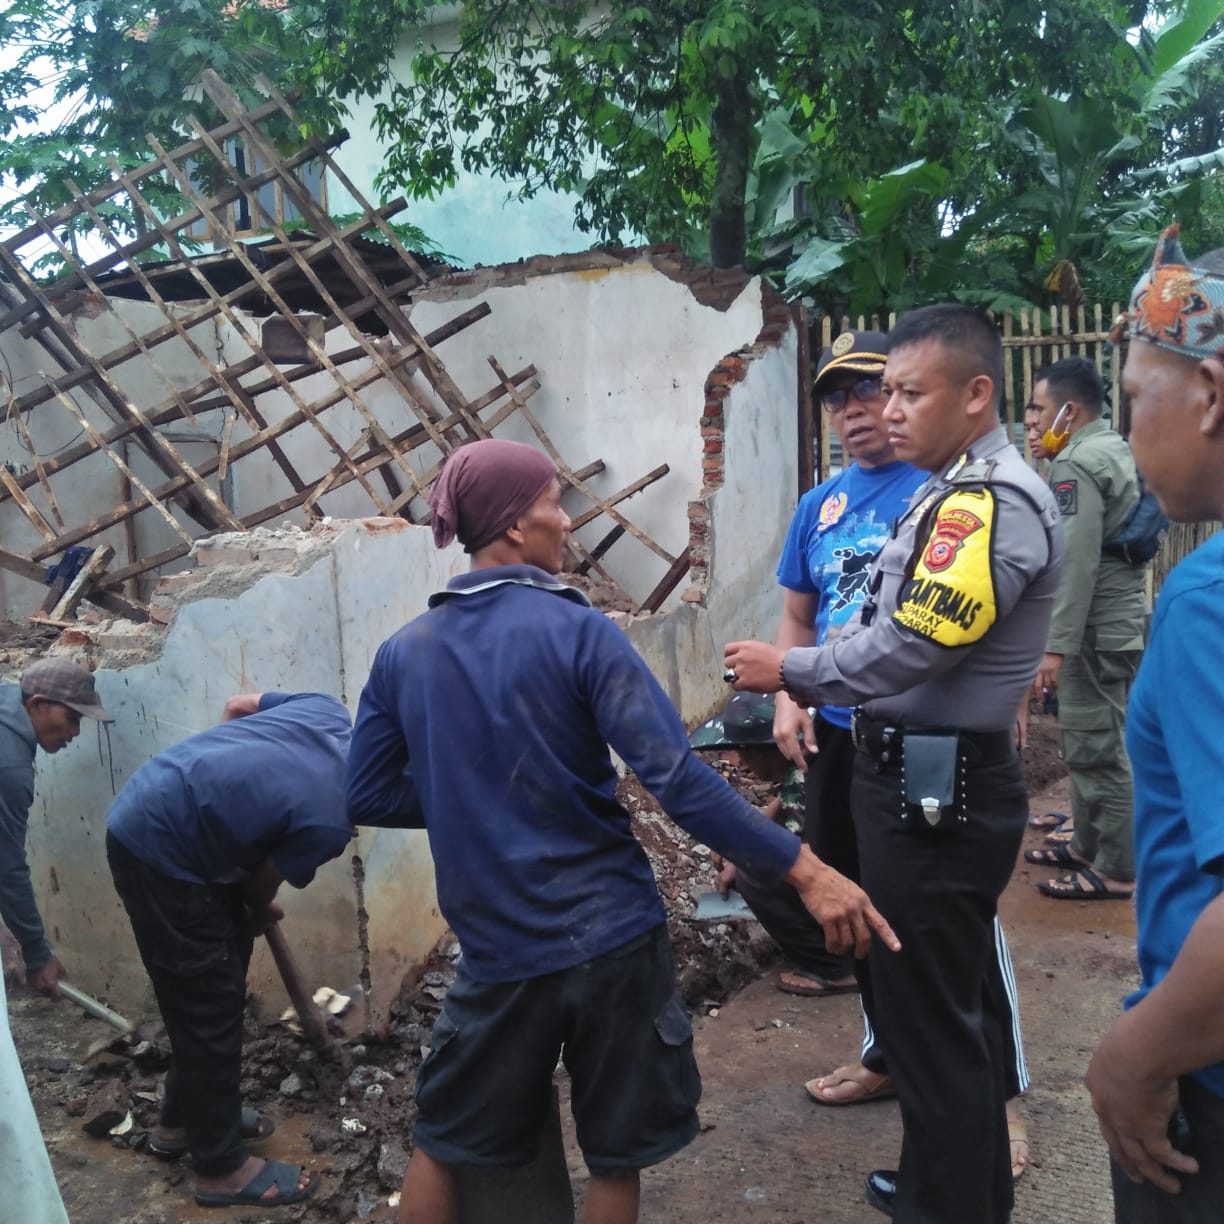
(488,720)
(1096,635)
(946,643)
(1157,1078)
(199,841)
(43,711)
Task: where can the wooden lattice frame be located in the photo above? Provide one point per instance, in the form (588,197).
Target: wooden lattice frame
(444,415)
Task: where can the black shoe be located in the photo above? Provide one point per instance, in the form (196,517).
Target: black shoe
(882,1190)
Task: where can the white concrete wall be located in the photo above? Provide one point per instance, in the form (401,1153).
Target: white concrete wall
(316,631)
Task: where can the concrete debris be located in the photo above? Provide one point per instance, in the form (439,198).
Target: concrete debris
(122,1128)
(292,1085)
(106,1109)
(353,1126)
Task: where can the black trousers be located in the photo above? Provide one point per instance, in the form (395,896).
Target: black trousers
(1201,1200)
(939,1008)
(195,941)
(829,829)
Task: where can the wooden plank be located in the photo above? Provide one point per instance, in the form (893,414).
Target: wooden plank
(239,324)
(167,413)
(160,449)
(88,572)
(27,507)
(667,584)
(616,498)
(600,550)
(806,474)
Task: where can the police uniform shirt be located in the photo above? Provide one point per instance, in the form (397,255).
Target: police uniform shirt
(963,596)
(1096,487)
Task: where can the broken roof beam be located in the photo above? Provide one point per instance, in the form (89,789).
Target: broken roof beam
(410,438)
(624,494)
(320,354)
(167,413)
(201,502)
(73,375)
(399,325)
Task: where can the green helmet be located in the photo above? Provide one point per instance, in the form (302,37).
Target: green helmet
(745,722)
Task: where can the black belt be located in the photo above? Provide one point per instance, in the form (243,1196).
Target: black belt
(882,741)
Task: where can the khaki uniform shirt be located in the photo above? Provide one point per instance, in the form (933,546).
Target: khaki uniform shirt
(1096,487)
(962,603)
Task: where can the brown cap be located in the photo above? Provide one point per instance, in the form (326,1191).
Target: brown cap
(62,680)
(864,352)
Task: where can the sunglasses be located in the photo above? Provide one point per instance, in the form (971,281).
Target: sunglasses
(866,390)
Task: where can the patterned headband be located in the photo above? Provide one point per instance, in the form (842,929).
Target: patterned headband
(1175,305)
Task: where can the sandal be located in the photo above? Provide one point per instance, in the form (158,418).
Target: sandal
(880,1091)
(813,985)
(255,1127)
(1083,884)
(1060,837)
(1049,821)
(276,1173)
(1052,856)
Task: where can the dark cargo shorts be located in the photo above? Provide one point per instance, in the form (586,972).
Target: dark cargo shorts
(624,1035)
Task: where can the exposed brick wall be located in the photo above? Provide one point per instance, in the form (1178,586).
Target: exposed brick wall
(732,369)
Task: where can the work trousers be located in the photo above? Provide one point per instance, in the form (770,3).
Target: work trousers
(829,829)
(195,941)
(1092,691)
(939,1006)
(1201,1199)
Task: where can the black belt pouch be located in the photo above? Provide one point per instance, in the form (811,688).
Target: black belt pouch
(930,776)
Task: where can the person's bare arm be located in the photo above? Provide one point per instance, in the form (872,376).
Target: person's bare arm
(793,730)
(840,906)
(240,705)
(1176,1029)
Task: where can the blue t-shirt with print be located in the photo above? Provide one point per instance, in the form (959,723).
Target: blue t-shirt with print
(1176,748)
(838,528)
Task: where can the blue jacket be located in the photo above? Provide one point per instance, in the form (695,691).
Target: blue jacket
(487,720)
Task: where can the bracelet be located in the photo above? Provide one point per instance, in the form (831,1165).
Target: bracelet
(782,674)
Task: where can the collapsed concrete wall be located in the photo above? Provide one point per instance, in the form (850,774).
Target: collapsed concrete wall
(297,610)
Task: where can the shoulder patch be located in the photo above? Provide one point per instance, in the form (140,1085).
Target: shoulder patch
(951,598)
(1064,496)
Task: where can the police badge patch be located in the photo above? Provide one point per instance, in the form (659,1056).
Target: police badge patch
(1064,496)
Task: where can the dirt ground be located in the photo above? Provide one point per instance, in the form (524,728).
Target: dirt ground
(766,1153)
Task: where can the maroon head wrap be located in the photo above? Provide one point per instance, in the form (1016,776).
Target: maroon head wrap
(483,488)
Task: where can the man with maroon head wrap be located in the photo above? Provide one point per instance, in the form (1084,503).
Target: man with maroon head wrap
(487,721)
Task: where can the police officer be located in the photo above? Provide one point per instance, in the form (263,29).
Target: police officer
(1096,636)
(948,640)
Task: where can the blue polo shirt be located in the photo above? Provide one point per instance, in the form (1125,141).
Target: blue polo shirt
(271,784)
(1175,739)
(488,721)
(838,528)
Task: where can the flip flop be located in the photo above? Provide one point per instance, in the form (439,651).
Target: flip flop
(819,986)
(1017,1135)
(847,1075)
(1083,884)
(1048,821)
(274,1173)
(255,1127)
(1052,856)
(1060,837)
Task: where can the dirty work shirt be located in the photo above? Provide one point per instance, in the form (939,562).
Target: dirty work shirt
(503,699)
(270,784)
(1175,738)
(838,528)
(17,906)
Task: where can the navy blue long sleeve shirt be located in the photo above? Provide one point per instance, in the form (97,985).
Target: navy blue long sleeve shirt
(487,721)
